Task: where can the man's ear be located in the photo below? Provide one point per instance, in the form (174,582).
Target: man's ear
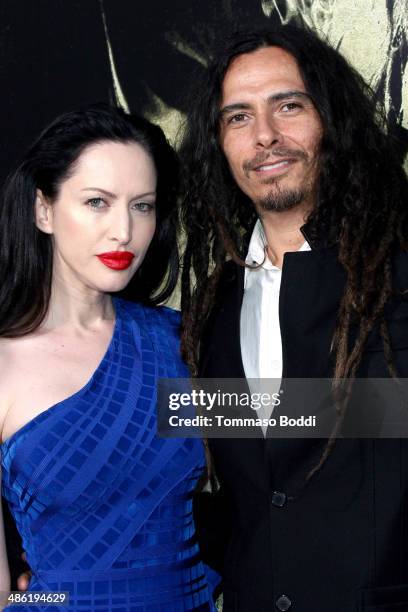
(43,213)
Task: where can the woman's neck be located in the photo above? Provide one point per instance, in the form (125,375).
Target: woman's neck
(77,308)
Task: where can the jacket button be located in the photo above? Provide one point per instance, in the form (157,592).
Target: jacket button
(278,499)
(283,603)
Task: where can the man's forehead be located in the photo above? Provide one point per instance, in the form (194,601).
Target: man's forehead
(267,65)
(270,52)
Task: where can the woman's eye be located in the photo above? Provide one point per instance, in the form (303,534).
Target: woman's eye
(144,207)
(96,203)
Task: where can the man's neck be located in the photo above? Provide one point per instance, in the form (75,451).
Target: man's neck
(282,232)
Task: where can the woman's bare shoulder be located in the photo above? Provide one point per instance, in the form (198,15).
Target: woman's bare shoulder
(15,355)
(14,349)
(17,364)
(8,353)
(7,359)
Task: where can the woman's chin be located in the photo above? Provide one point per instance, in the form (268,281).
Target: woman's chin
(112,285)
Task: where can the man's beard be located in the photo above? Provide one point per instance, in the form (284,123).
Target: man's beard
(279,199)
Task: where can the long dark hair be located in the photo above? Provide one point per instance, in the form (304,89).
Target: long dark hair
(361,204)
(26,254)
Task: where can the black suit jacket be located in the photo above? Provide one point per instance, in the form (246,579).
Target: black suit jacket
(339,543)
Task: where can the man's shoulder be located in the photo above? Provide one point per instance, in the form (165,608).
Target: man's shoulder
(232,275)
(401,270)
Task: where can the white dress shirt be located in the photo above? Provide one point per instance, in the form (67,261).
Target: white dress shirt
(261,344)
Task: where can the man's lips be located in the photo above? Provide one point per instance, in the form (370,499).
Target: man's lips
(116,260)
(274,162)
(274,167)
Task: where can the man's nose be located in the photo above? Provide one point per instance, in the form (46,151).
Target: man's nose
(266,131)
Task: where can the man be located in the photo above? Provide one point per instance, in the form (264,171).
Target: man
(296,217)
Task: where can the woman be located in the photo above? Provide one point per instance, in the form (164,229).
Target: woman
(103,505)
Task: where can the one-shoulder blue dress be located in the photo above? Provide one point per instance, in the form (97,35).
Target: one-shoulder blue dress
(103,505)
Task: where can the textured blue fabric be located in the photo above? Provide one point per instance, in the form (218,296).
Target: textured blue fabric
(103,505)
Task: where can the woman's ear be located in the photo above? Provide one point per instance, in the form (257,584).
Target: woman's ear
(43,213)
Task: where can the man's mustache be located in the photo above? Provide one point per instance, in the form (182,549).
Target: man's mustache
(283,152)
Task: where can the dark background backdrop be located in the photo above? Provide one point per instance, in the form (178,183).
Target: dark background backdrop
(56,55)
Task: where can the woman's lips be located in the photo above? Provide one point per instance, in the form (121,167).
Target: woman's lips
(116,260)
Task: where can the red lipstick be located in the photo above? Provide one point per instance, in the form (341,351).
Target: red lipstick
(116,260)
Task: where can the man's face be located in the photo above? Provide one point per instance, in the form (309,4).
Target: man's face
(270,130)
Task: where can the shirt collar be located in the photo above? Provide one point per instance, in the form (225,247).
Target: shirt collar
(256,250)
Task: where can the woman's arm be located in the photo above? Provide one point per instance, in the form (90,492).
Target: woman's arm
(4,567)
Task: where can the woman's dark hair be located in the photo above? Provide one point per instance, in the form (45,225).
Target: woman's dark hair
(26,253)
(361,205)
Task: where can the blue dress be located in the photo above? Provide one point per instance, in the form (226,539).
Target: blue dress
(103,505)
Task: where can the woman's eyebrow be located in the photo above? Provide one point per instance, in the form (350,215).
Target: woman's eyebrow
(114,195)
(108,193)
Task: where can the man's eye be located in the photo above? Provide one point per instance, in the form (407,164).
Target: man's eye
(239,118)
(144,207)
(96,203)
(290,107)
